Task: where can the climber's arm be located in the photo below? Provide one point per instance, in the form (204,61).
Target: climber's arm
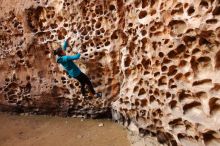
(65,44)
(67,58)
(74,57)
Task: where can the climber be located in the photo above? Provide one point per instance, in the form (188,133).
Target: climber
(72,70)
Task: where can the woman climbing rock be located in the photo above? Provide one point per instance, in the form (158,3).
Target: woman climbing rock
(72,70)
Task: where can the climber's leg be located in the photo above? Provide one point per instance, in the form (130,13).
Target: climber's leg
(82,83)
(87,81)
(84,80)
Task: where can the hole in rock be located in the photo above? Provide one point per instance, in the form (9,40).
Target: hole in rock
(114,35)
(172,70)
(168,94)
(156,74)
(188,40)
(60,18)
(187,74)
(182,63)
(178,9)
(217,60)
(161,54)
(175,121)
(143,32)
(156,92)
(216,11)
(162,81)
(97,32)
(173,86)
(98,25)
(137,3)
(127,61)
(111,7)
(204,59)
(210,139)
(19,53)
(152,2)
(186,5)
(102,30)
(166,41)
(130,24)
(152,98)
(216,87)
(146,63)
(71,86)
(190,106)
(136,102)
(142,14)
(172,104)
(141,92)
(157,62)
(172,54)
(181,48)
(214,105)
(144,3)
(144,41)
(170,46)
(28,78)
(178,26)
(76,84)
(178,76)
(211,21)
(98,9)
(152,12)
(204,4)
(183,95)
(21,61)
(143,102)
(202,82)
(166,61)
(136,88)
(203,41)
(164,68)
(163,137)
(196,50)
(194,64)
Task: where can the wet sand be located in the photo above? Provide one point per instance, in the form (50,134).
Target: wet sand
(58,131)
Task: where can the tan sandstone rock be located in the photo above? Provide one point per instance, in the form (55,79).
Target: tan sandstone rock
(155,61)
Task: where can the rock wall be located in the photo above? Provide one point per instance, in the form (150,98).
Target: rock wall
(156,62)
(32,81)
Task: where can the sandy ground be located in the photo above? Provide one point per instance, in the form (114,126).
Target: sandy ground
(57,131)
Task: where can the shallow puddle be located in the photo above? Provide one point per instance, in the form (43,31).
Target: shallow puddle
(57,131)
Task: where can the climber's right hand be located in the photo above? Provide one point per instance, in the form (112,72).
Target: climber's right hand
(68,39)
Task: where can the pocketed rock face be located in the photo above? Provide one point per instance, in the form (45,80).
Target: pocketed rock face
(32,81)
(156,62)
(169,70)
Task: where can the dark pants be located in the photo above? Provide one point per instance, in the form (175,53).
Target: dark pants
(84,80)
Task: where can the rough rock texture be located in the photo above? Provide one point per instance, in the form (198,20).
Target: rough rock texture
(156,61)
(31,80)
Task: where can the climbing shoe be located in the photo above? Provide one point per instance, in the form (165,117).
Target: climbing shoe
(98,95)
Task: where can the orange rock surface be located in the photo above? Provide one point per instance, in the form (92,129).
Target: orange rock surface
(155,61)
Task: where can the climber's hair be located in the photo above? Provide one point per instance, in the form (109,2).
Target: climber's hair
(58,51)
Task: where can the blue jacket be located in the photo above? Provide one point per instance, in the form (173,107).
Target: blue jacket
(68,64)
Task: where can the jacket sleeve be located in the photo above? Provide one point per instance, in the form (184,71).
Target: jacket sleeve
(64,46)
(67,58)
